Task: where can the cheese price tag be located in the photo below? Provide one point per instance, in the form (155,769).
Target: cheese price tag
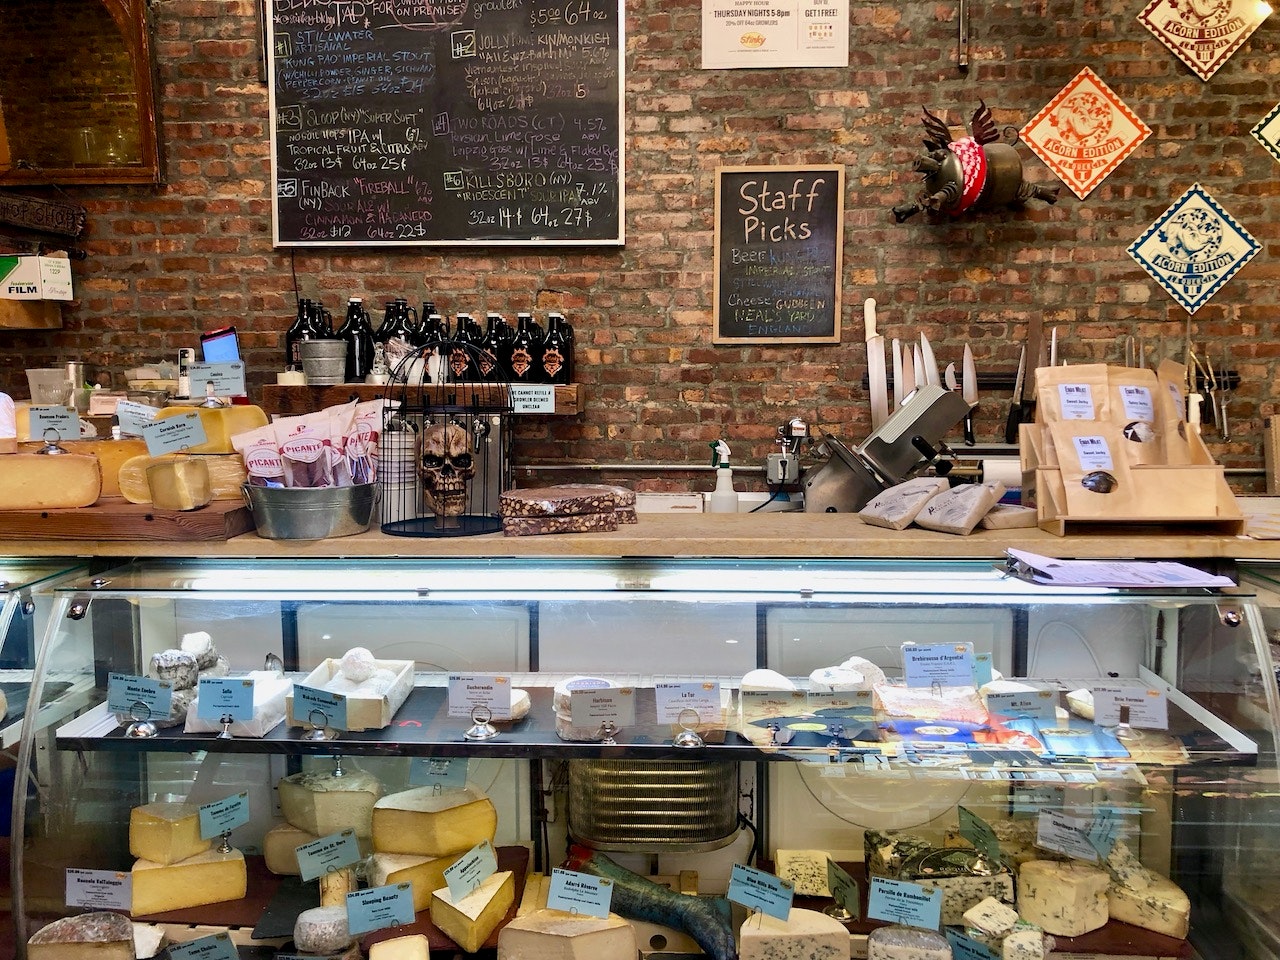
(216,947)
(900,901)
(61,420)
(379,907)
(320,708)
(174,434)
(532,399)
(219,697)
(449,773)
(223,816)
(471,869)
(844,889)
(982,669)
(126,692)
(701,696)
(133,416)
(1148,707)
(1036,704)
(946,664)
(470,690)
(757,890)
(1064,834)
(227,378)
(100,889)
(579,893)
(590,708)
(964,948)
(979,833)
(333,852)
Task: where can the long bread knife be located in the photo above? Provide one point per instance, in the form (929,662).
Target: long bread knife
(969,391)
(875,366)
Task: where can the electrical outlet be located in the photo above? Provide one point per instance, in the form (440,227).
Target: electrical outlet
(782,468)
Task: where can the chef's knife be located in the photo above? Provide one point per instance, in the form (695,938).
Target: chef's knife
(908,372)
(1015,405)
(898,394)
(969,390)
(927,367)
(875,366)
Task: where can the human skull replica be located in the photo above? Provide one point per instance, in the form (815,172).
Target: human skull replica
(447,467)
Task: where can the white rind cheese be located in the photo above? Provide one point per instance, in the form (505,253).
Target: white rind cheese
(89,936)
(991,917)
(1160,906)
(804,935)
(557,935)
(429,824)
(1066,899)
(469,921)
(166,832)
(805,870)
(906,943)
(322,930)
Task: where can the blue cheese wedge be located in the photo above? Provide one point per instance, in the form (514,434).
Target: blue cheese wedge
(1125,868)
(906,943)
(1065,899)
(991,917)
(805,870)
(1160,905)
(1026,943)
(804,935)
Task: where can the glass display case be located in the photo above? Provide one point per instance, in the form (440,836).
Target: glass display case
(897,694)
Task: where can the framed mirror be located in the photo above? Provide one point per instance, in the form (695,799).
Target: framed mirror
(77,93)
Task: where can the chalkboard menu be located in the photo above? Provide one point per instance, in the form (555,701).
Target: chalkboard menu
(446,121)
(779,247)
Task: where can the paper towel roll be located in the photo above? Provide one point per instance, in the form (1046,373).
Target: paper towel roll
(1004,469)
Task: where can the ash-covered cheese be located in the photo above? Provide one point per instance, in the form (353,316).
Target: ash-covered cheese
(1065,899)
(991,917)
(89,936)
(200,645)
(176,666)
(1126,869)
(906,943)
(805,870)
(1160,906)
(1026,943)
(322,930)
(804,935)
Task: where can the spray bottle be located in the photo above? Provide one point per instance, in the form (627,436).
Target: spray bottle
(724,499)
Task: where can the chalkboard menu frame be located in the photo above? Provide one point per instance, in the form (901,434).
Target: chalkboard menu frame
(445,122)
(779,254)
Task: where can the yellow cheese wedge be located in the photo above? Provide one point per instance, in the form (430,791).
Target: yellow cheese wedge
(425,874)
(322,804)
(209,877)
(557,935)
(179,484)
(415,947)
(433,824)
(226,474)
(111,455)
(220,424)
(469,921)
(33,481)
(89,936)
(166,832)
(280,848)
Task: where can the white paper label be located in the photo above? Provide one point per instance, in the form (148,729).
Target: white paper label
(702,697)
(1076,401)
(1094,453)
(1138,404)
(1148,708)
(590,708)
(468,691)
(526,398)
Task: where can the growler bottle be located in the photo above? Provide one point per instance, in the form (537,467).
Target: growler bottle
(462,363)
(490,366)
(556,364)
(357,331)
(396,323)
(524,352)
(298,331)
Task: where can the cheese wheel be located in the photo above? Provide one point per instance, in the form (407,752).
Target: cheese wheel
(90,936)
(226,476)
(559,935)
(321,803)
(111,454)
(220,424)
(34,481)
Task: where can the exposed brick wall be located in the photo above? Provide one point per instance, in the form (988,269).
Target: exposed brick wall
(196,253)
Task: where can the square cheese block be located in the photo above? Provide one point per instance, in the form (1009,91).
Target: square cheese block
(804,935)
(991,917)
(1026,943)
(401,948)
(431,824)
(1066,899)
(1159,905)
(209,877)
(557,935)
(805,870)
(89,936)
(469,921)
(426,874)
(166,832)
(906,943)
(280,848)
(321,803)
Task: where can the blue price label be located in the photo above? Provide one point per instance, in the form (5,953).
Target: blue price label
(379,907)
(319,708)
(174,434)
(844,889)
(982,669)
(133,416)
(220,697)
(99,889)
(900,901)
(226,378)
(448,773)
(333,852)
(223,816)
(579,893)
(966,948)
(216,947)
(1103,832)
(946,664)
(979,833)
(757,890)
(62,421)
(1036,704)
(138,697)
(471,869)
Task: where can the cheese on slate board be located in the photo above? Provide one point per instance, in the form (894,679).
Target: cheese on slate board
(209,877)
(426,874)
(89,936)
(469,921)
(413,947)
(906,943)
(805,870)
(804,935)
(166,832)
(557,935)
(432,824)
(1159,905)
(1066,899)
(321,803)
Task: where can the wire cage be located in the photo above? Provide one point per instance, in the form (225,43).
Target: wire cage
(444,454)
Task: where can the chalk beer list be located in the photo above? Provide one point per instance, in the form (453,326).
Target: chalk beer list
(779,250)
(445,121)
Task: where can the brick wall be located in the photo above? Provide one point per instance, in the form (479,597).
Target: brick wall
(196,253)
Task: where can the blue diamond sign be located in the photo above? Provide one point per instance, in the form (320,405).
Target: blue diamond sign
(1194,248)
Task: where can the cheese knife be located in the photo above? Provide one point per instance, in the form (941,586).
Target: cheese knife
(969,391)
(926,365)
(898,394)
(949,378)
(875,366)
(1015,405)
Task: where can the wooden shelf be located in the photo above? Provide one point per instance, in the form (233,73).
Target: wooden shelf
(291,401)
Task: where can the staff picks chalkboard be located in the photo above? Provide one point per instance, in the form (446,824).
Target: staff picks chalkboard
(441,121)
(779,248)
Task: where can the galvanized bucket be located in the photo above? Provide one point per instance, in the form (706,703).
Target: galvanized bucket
(306,513)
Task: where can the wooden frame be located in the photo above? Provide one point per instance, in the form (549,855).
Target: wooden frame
(779,254)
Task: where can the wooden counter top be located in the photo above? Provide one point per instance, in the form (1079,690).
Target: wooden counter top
(706,535)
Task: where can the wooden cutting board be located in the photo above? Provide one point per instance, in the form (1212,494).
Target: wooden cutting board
(114,518)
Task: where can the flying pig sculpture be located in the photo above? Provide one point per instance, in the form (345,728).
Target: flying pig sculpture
(973,173)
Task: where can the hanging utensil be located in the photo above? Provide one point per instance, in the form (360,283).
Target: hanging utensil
(926,365)
(875,366)
(898,393)
(969,392)
(1015,405)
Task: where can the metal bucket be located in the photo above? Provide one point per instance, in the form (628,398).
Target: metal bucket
(305,513)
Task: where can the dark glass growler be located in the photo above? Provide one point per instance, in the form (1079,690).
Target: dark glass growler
(462,361)
(556,363)
(357,331)
(491,350)
(399,322)
(525,352)
(298,331)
